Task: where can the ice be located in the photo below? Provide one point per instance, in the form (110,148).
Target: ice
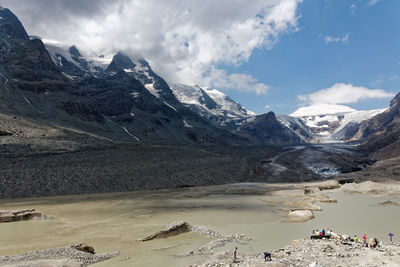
(152,90)
(186,124)
(137,139)
(169,106)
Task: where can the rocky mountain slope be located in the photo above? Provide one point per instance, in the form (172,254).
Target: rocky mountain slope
(120,101)
(382,130)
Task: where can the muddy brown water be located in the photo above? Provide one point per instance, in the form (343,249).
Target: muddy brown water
(112,222)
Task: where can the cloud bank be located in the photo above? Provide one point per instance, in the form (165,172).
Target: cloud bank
(185,41)
(341,93)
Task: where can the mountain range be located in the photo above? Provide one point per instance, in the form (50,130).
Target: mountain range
(63,114)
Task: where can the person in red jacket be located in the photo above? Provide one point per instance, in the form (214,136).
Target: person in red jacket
(365,239)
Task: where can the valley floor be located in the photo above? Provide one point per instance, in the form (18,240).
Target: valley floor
(28,172)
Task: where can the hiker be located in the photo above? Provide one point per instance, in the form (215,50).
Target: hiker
(235,255)
(365,240)
(355,238)
(267,255)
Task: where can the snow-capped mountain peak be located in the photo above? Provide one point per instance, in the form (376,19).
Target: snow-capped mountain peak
(210,103)
(328,122)
(321,109)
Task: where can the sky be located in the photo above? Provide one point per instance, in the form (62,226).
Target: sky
(269,55)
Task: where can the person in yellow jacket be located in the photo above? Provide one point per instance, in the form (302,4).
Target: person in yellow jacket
(355,238)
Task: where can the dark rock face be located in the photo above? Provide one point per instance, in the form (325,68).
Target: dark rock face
(207,100)
(267,129)
(26,63)
(10,25)
(120,62)
(382,130)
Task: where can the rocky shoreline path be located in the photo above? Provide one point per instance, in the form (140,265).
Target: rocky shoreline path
(336,251)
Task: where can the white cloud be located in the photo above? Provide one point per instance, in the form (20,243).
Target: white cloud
(242,82)
(394,77)
(373,2)
(341,93)
(267,106)
(353,9)
(185,41)
(336,39)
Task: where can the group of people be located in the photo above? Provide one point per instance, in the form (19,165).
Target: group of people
(316,233)
(319,234)
(364,238)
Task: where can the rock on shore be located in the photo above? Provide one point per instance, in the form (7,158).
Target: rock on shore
(300,215)
(172,230)
(177,228)
(21,215)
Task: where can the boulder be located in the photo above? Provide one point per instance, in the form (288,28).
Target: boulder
(21,215)
(300,215)
(84,248)
(172,230)
(331,184)
(312,190)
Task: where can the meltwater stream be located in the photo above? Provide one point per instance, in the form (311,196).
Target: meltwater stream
(111,222)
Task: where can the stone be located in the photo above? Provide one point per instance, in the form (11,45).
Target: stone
(21,215)
(172,230)
(331,184)
(301,215)
(84,248)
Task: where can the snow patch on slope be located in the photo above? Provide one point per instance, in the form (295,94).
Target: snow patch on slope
(151,89)
(227,103)
(210,102)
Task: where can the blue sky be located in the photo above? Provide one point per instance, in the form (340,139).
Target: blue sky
(302,62)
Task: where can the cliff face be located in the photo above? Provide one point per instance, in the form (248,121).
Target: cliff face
(268,130)
(382,132)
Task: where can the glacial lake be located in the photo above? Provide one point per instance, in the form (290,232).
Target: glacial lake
(113,222)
